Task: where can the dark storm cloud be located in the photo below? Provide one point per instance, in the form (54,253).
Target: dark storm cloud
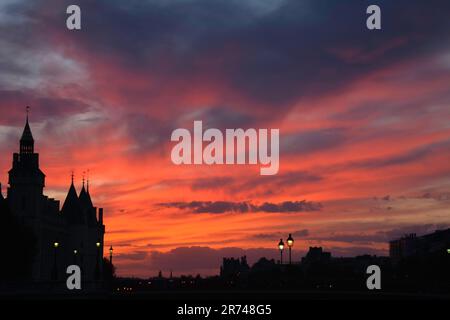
(146,131)
(209,206)
(263,57)
(244,207)
(149,131)
(265,61)
(13,102)
(289,206)
(414,155)
(312,141)
(225,117)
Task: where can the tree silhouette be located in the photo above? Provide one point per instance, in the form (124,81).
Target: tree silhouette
(109,273)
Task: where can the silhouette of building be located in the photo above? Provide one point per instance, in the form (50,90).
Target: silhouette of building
(406,246)
(232,267)
(315,255)
(72,235)
(411,245)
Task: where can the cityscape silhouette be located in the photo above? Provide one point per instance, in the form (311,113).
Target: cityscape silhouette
(224,151)
(39,241)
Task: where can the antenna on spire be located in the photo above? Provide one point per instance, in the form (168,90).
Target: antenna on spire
(28,111)
(72,176)
(87,182)
(84,172)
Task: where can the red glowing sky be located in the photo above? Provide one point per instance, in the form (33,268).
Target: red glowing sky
(363,118)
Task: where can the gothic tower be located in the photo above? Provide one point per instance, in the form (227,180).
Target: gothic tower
(72,235)
(26,180)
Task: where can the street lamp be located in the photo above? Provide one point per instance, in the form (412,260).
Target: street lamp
(290,243)
(110,254)
(97,264)
(55,267)
(281,247)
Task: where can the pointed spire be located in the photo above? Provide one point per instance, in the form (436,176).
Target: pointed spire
(86,204)
(72,208)
(83,179)
(27,141)
(82,195)
(26,134)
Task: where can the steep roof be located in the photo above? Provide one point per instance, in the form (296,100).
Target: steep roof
(85,199)
(27,135)
(87,206)
(72,209)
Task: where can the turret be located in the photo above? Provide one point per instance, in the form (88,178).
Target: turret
(72,210)
(27,141)
(87,206)
(25,178)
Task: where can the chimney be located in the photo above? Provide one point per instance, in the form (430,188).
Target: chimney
(100,216)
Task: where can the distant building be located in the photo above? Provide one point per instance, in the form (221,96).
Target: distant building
(411,245)
(406,246)
(232,267)
(72,235)
(315,255)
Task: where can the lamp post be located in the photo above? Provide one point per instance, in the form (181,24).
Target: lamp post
(281,247)
(55,267)
(97,264)
(110,254)
(290,243)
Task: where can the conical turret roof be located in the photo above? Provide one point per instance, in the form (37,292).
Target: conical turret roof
(72,209)
(27,136)
(85,199)
(87,206)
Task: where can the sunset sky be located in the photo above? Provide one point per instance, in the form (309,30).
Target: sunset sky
(364,119)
